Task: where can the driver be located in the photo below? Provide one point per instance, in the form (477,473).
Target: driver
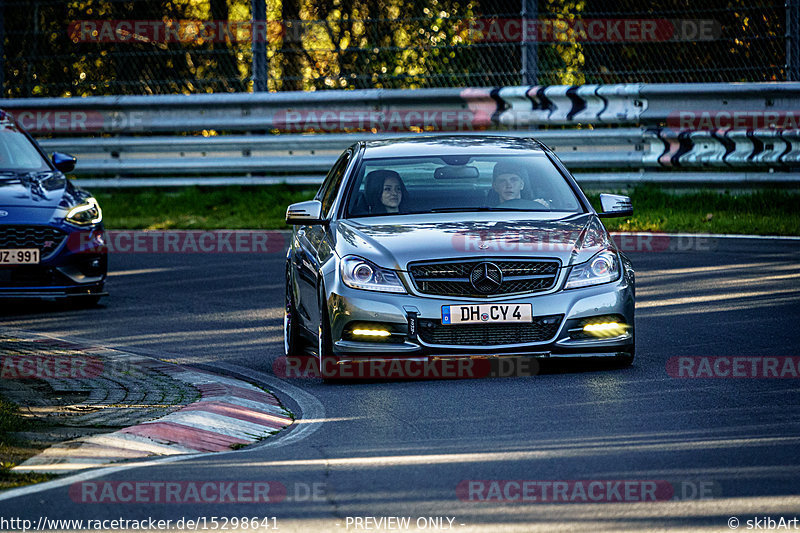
(508,182)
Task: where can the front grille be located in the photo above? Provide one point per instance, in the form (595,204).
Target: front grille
(30,276)
(45,238)
(541,329)
(453,278)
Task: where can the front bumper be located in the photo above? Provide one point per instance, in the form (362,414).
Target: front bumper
(76,268)
(347,306)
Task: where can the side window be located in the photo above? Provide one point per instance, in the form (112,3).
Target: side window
(326,183)
(333,182)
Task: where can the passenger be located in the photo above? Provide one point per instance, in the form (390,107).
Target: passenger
(385,192)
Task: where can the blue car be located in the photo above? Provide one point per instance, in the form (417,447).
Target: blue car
(52,242)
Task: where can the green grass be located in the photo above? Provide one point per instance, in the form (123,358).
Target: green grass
(764,212)
(13,450)
(200,208)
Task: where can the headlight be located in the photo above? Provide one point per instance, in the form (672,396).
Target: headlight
(602,268)
(361,274)
(87,213)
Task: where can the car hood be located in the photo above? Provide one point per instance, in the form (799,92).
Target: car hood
(39,199)
(394,241)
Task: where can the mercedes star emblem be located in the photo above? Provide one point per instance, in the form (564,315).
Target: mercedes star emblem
(486,278)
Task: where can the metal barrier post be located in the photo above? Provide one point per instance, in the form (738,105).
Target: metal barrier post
(530,44)
(793,40)
(259,10)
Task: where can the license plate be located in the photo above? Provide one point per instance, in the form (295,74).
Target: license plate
(19,256)
(486,313)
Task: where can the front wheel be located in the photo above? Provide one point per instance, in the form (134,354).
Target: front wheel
(292,343)
(624,361)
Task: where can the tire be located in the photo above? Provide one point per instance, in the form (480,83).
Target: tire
(292,341)
(624,361)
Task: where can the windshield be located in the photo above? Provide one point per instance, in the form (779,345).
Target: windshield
(17,154)
(410,185)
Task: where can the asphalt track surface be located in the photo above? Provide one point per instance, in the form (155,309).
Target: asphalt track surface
(726,447)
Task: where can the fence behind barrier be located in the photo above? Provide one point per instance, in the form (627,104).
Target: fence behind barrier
(83,48)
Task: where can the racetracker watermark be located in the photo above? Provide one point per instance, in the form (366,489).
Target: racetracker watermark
(734,367)
(214,492)
(79,121)
(503,240)
(194,523)
(308,367)
(77,366)
(344,120)
(705,120)
(179,242)
(183,31)
(195,31)
(584,491)
(659,242)
(380,368)
(574,30)
(312,120)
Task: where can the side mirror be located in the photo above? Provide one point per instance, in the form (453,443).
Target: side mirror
(615,205)
(305,213)
(63,162)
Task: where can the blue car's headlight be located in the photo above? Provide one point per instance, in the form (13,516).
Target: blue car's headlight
(359,273)
(85,214)
(602,268)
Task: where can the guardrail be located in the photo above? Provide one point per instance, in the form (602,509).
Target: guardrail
(671,133)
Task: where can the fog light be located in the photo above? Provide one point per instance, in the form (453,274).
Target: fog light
(605,329)
(371,332)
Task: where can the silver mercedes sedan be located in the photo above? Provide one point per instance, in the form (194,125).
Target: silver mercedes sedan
(441,247)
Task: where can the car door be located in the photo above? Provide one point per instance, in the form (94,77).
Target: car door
(312,248)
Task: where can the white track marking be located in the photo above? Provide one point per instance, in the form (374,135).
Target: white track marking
(310,407)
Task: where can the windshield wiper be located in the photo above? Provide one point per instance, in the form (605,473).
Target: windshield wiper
(43,174)
(472,209)
(9,175)
(455,209)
